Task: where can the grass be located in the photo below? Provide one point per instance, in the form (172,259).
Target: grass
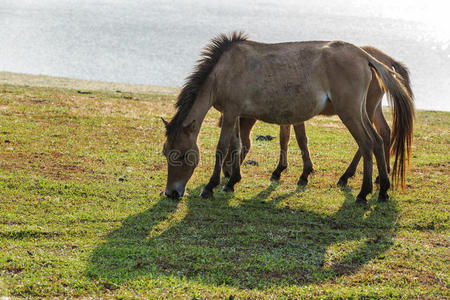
(81,213)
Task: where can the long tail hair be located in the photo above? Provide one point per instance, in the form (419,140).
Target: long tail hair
(403,113)
(399,67)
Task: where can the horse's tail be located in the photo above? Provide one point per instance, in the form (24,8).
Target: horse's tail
(399,67)
(403,71)
(402,117)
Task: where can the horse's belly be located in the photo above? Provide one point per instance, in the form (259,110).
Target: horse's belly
(291,110)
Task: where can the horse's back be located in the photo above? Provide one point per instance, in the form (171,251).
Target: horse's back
(290,80)
(248,62)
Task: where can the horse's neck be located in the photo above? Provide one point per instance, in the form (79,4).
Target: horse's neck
(198,111)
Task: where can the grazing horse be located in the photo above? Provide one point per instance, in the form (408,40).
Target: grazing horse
(374,111)
(284,83)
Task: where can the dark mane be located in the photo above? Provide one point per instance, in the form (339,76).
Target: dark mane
(210,56)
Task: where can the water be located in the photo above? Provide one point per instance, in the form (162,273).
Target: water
(157,42)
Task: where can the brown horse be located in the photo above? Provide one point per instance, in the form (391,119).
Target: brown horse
(375,113)
(285,83)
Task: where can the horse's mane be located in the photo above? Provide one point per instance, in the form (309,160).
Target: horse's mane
(209,58)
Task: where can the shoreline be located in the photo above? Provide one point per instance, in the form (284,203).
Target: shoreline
(33,80)
(81,84)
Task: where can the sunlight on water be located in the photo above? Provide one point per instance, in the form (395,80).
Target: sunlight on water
(157,42)
(431,15)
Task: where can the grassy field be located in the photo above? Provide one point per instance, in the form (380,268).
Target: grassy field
(81,214)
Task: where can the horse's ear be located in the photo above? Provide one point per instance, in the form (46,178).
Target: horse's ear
(190,127)
(164,121)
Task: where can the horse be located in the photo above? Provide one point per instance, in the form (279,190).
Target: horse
(282,83)
(374,111)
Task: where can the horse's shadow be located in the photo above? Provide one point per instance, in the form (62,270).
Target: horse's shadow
(253,243)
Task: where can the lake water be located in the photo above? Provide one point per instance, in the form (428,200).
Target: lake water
(157,42)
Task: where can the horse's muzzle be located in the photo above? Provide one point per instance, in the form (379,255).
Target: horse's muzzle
(175,193)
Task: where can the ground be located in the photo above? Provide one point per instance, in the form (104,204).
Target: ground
(82,215)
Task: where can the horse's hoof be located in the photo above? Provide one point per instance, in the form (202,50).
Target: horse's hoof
(361,200)
(342,182)
(302,182)
(383,198)
(206,194)
(227,188)
(275,177)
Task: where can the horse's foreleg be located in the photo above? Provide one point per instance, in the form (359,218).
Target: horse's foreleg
(285,132)
(226,133)
(235,154)
(246,125)
(302,140)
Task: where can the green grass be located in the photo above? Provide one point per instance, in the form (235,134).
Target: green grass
(81,213)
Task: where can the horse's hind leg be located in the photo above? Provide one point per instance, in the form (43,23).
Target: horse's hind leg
(356,128)
(369,142)
(351,109)
(375,113)
(350,170)
(302,140)
(285,133)
(235,153)
(228,124)
(378,149)
(385,132)
(246,125)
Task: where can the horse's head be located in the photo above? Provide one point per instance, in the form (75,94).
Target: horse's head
(182,157)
